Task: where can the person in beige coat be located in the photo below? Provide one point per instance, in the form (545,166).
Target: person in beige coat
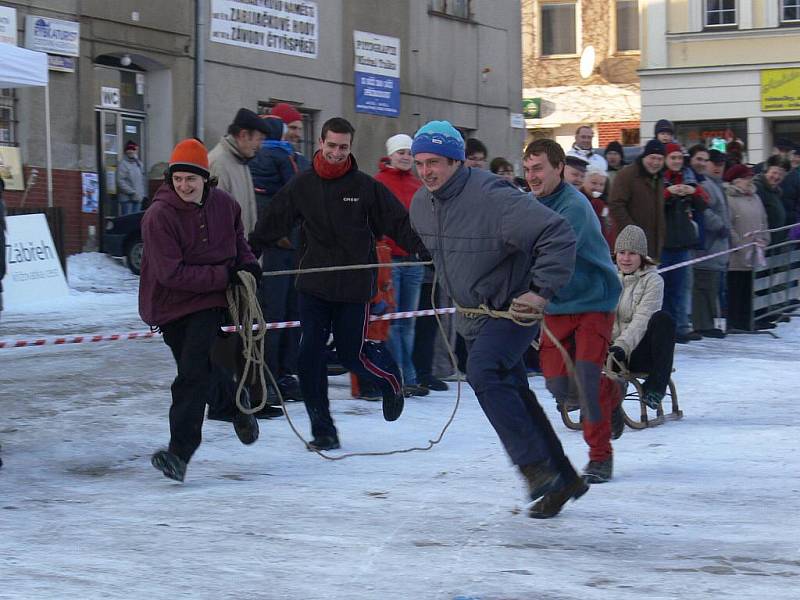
(747,217)
(643,335)
(229,160)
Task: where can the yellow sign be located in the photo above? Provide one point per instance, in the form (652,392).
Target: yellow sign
(11,168)
(780,89)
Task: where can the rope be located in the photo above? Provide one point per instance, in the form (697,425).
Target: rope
(431,443)
(529,319)
(244,308)
(392,265)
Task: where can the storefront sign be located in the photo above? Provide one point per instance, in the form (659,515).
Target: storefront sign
(780,89)
(52,35)
(65,64)
(532,108)
(287,27)
(11,168)
(377,73)
(517,121)
(8,25)
(33,271)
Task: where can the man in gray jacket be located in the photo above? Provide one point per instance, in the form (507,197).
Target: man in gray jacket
(496,248)
(130,181)
(716,238)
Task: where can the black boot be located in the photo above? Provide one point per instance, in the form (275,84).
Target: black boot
(599,471)
(170,465)
(324,442)
(540,477)
(245,426)
(552,503)
(617,422)
(392,404)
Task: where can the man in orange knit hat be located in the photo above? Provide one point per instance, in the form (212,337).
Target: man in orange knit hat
(195,248)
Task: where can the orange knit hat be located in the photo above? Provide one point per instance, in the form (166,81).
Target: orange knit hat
(191,156)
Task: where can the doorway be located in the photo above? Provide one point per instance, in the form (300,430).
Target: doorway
(114,130)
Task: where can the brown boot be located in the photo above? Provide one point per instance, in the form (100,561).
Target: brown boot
(552,503)
(540,477)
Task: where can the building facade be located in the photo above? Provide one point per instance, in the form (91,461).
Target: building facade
(722,71)
(156,72)
(580,59)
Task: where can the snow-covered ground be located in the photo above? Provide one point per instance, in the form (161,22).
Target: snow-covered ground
(706,507)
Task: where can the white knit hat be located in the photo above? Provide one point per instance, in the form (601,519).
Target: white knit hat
(632,239)
(401,141)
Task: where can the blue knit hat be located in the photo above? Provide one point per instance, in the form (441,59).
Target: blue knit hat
(439,137)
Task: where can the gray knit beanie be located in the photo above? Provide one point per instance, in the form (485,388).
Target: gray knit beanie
(632,239)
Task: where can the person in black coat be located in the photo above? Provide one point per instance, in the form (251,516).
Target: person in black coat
(341,212)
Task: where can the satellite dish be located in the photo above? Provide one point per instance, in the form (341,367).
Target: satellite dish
(587,62)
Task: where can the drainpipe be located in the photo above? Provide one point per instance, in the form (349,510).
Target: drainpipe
(200,35)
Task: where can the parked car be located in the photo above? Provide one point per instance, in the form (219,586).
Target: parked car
(123,238)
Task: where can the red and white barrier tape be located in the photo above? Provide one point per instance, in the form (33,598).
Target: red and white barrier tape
(137,335)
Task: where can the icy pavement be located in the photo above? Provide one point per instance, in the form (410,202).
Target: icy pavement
(706,507)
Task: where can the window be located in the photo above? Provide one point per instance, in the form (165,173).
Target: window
(720,13)
(454,8)
(8,122)
(631,137)
(790,11)
(558,28)
(306,146)
(628,25)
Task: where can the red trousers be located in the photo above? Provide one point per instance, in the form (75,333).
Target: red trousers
(586,338)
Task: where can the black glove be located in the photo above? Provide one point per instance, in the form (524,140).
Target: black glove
(423,255)
(253,268)
(619,354)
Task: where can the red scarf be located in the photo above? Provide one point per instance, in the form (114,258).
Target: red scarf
(328,171)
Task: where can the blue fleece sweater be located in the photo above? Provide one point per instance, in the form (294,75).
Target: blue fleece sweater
(594,286)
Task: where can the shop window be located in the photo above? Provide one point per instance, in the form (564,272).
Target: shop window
(790,12)
(720,13)
(451,8)
(713,134)
(628,25)
(8,121)
(631,137)
(558,25)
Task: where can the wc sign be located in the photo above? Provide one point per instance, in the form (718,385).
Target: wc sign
(109,97)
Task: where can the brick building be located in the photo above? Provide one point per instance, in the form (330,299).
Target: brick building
(559,37)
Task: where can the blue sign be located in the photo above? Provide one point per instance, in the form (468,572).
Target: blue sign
(377,94)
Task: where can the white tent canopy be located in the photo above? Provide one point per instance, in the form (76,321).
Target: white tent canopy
(25,68)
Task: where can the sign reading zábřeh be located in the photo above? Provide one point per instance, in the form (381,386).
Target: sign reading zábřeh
(284,27)
(33,271)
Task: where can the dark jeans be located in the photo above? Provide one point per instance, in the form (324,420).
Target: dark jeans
(496,372)
(704,299)
(190,339)
(425,330)
(279,303)
(370,362)
(740,300)
(655,352)
(676,284)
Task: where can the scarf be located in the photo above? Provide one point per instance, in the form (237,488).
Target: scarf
(328,171)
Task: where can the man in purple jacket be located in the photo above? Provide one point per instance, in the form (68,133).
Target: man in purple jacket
(194,248)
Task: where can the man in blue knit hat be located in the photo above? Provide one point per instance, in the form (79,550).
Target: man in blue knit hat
(498,254)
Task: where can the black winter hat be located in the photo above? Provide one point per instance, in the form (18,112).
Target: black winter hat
(615,146)
(654,147)
(716,157)
(247,119)
(664,125)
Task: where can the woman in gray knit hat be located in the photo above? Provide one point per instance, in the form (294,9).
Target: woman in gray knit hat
(643,335)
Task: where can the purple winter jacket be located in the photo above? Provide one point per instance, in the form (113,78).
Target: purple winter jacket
(188,252)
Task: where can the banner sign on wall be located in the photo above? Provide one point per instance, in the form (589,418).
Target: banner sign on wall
(780,89)
(53,36)
(33,271)
(8,25)
(11,167)
(377,73)
(271,25)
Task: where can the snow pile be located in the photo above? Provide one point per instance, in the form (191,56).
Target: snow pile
(96,272)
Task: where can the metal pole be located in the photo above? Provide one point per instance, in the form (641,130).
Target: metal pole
(200,34)
(48,149)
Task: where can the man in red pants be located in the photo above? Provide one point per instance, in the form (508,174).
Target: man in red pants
(581,314)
